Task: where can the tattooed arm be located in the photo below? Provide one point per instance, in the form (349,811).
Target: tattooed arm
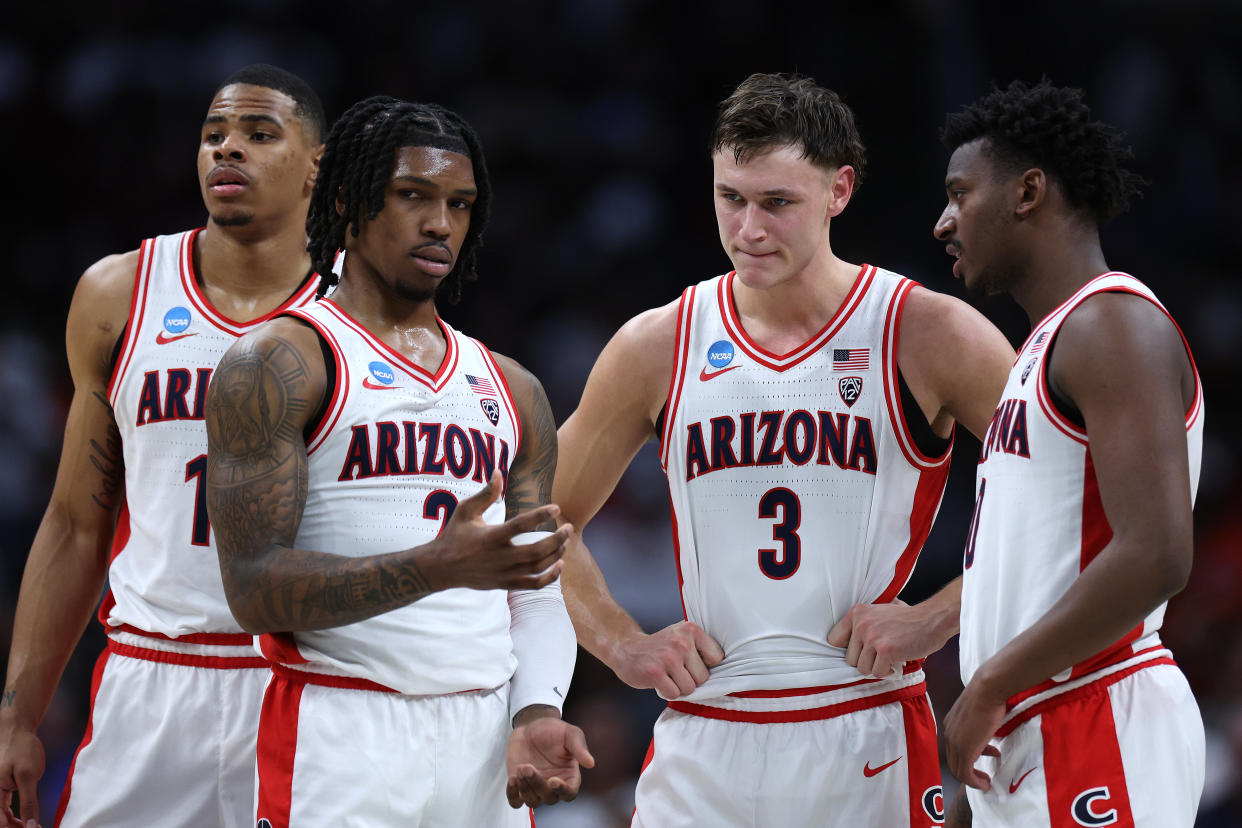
(68,560)
(261,396)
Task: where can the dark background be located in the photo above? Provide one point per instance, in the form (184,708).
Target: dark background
(595,115)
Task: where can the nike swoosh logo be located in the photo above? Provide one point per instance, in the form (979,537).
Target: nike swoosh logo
(366,383)
(557,691)
(1013,786)
(163,338)
(869,771)
(704,376)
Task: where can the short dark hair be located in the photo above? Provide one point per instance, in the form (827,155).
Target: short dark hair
(1051,128)
(358,160)
(307,105)
(768,111)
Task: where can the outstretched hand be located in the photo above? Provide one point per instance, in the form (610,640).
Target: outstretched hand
(472,554)
(674,660)
(968,730)
(544,761)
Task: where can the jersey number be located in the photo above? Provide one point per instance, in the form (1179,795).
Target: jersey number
(969,557)
(196,469)
(439,505)
(779,564)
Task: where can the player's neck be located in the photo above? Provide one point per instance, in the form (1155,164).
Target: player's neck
(1068,261)
(408,326)
(782,317)
(246,275)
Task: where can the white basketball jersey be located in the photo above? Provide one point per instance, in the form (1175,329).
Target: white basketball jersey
(164,575)
(1038,517)
(396,450)
(797,491)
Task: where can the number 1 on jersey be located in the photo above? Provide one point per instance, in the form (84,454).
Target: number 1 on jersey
(779,564)
(200,534)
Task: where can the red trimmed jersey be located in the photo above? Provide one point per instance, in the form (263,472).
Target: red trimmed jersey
(1038,517)
(796,488)
(164,575)
(395,452)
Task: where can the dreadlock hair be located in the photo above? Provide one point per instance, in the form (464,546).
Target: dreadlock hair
(1051,128)
(358,159)
(768,111)
(307,105)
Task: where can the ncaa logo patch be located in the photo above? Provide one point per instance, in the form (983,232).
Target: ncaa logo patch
(851,389)
(720,354)
(382,372)
(1026,372)
(177,319)
(491,408)
(933,803)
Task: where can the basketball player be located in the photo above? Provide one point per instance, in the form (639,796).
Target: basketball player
(358,453)
(804,407)
(175,696)
(1082,526)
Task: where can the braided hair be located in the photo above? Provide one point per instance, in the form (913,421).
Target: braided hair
(1051,128)
(358,160)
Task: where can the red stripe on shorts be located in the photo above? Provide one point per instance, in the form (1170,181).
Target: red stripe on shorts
(1082,765)
(278,741)
(96,680)
(811,714)
(926,794)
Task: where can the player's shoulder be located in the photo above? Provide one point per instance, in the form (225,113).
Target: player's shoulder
(652,330)
(1113,323)
(109,279)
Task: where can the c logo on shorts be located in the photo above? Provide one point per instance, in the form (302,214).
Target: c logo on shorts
(1084,813)
(263,823)
(933,802)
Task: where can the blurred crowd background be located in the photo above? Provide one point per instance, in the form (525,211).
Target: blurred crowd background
(595,115)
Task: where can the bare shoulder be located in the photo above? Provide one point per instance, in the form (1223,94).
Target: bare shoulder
(1114,332)
(100,310)
(929,317)
(283,352)
(636,366)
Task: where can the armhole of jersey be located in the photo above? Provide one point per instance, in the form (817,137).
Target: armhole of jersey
(681,343)
(506,396)
(337,370)
(893,386)
(124,349)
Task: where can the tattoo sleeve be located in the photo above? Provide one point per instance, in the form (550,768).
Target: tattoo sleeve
(530,477)
(259,400)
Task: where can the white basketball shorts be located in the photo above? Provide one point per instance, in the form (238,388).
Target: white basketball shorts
(1125,750)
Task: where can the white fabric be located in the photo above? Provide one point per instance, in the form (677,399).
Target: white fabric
(383,760)
(402,446)
(1160,735)
(169,745)
(166,576)
(859,516)
(543,641)
(1039,514)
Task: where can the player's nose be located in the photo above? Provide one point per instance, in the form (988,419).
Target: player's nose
(943,228)
(232,147)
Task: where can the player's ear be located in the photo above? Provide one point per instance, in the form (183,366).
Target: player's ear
(840,189)
(316,157)
(1032,190)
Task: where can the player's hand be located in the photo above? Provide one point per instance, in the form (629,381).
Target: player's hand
(880,637)
(544,758)
(674,660)
(21,767)
(470,553)
(968,729)
(959,815)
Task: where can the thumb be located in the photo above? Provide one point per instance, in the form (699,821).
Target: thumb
(28,793)
(575,743)
(839,635)
(475,505)
(708,648)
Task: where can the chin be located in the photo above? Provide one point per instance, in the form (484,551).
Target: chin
(232,219)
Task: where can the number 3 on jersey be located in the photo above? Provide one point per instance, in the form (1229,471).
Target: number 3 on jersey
(781,503)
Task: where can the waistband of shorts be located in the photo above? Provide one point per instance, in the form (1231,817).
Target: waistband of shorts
(327,679)
(185,658)
(807,714)
(218,639)
(1088,685)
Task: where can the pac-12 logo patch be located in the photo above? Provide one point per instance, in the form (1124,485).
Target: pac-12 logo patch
(176,320)
(491,408)
(851,389)
(720,353)
(382,376)
(933,803)
(1026,372)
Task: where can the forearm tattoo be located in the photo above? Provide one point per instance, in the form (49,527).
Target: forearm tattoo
(256,491)
(530,483)
(108,458)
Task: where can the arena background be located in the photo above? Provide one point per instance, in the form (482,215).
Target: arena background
(595,115)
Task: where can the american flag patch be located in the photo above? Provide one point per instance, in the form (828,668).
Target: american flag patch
(1038,344)
(480,386)
(851,359)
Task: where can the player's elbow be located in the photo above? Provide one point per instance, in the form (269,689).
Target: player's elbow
(1168,562)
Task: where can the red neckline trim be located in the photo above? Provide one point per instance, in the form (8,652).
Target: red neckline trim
(434,381)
